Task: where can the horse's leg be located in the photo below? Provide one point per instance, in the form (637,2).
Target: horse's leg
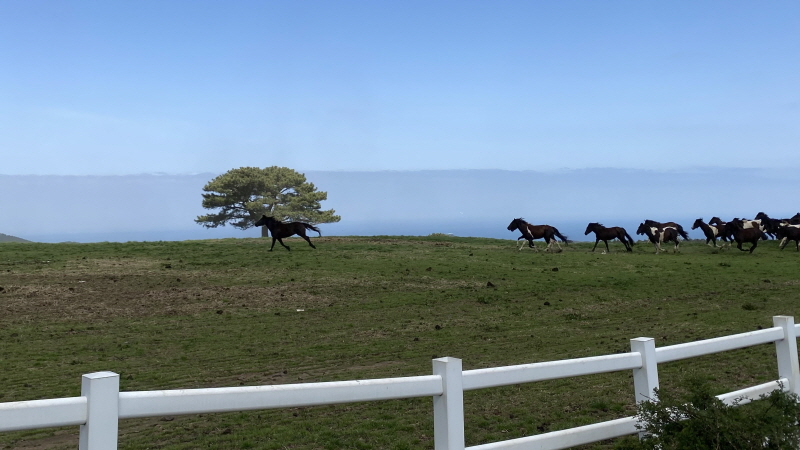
(783,243)
(755,243)
(606,242)
(281,242)
(273,243)
(596,241)
(303,235)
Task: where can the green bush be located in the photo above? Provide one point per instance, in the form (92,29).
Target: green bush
(698,420)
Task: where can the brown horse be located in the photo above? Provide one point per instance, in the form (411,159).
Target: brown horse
(531,232)
(658,235)
(728,231)
(741,234)
(604,234)
(279,230)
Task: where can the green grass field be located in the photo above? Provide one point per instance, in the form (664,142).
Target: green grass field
(169,315)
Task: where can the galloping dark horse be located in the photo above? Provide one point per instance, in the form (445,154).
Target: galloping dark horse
(279,230)
(531,232)
(658,235)
(678,228)
(604,234)
(740,234)
(717,222)
(712,232)
(788,233)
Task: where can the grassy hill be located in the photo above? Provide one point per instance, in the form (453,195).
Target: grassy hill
(168,315)
(7,238)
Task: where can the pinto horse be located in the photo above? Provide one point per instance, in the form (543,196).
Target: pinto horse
(531,232)
(279,230)
(744,223)
(677,227)
(659,235)
(741,234)
(717,222)
(712,232)
(788,233)
(604,234)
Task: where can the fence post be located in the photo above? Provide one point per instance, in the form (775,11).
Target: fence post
(100,432)
(645,378)
(786,350)
(448,408)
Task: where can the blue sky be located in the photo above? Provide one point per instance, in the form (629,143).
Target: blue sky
(180,87)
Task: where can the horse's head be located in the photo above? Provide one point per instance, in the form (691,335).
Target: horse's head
(643,229)
(762,216)
(516,223)
(264,220)
(697,223)
(591,227)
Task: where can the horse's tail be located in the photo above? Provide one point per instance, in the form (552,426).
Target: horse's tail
(560,236)
(312,227)
(630,239)
(683,234)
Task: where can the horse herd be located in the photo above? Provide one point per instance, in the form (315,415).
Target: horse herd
(736,230)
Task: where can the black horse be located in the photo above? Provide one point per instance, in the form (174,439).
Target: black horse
(531,232)
(788,233)
(658,235)
(741,235)
(604,234)
(712,232)
(770,225)
(279,230)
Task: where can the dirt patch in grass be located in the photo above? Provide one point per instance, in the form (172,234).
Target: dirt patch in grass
(92,298)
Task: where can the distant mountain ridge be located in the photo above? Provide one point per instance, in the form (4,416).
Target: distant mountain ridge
(7,238)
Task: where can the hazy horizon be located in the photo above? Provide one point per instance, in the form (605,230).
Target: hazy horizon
(478,203)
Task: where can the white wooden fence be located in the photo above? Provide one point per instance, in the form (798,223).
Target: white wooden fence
(101,404)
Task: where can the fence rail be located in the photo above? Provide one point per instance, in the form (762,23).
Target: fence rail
(101,405)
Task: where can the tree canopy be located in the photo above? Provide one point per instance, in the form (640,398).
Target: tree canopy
(241,196)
